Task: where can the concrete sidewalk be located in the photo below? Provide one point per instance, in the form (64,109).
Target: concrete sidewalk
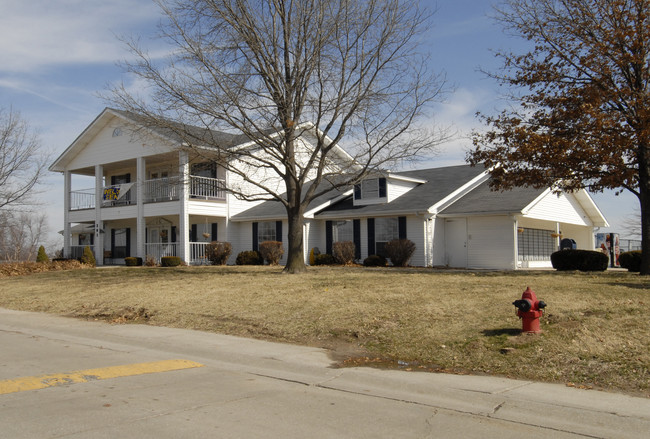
(250,388)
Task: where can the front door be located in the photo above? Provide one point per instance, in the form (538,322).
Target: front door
(456,242)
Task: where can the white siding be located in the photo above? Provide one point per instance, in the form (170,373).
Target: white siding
(207,208)
(104,148)
(397,188)
(438,238)
(315,237)
(490,242)
(563,208)
(415,231)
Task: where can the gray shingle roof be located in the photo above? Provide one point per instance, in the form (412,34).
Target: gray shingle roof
(276,210)
(484,201)
(440,182)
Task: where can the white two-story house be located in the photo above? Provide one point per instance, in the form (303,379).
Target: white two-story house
(151,197)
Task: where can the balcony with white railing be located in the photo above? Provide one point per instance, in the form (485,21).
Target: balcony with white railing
(204,188)
(82,199)
(155,191)
(162,189)
(119,195)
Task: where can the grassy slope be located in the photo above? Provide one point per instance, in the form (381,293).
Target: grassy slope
(595,331)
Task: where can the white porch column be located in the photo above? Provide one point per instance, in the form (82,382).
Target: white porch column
(67,187)
(141,250)
(99,224)
(183,236)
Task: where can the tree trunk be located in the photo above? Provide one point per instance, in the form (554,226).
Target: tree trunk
(295,256)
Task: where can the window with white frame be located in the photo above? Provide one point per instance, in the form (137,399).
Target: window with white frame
(342,231)
(266,231)
(535,245)
(386,229)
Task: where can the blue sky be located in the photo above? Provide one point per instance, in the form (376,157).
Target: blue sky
(56,56)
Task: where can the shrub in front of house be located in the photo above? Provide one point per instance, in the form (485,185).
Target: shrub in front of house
(170,261)
(400,251)
(271,252)
(374,261)
(324,259)
(88,258)
(344,252)
(150,261)
(249,257)
(132,261)
(42,256)
(218,252)
(631,260)
(583,260)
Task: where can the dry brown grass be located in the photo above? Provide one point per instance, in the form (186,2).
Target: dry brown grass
(595,331)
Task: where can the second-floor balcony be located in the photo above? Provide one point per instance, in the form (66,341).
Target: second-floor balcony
(155,191)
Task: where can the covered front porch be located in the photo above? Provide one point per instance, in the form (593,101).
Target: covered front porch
(161,237)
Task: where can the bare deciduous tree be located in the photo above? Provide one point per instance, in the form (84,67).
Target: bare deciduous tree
(21,161)
(583,91)
(20,235)
(343,71)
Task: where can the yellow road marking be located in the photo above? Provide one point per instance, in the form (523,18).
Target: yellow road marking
(83,376)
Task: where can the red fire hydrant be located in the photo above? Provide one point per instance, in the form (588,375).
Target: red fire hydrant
(529,310)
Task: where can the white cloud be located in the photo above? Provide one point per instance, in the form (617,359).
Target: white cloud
(38,34)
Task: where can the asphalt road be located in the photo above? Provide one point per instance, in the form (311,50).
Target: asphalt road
(66,378)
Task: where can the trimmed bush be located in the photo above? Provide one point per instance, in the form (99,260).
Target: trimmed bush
(631,260)
(344,252)
(88,258)
(150,261)
(132,261)
(170,261)
(249,257)
(374,261)
(324,259)
(218,252)
(271,252)
(400,251)
(583,260)
(42,256)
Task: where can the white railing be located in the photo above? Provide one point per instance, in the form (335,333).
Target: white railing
(76,251)
(157,251)
(82,199)
(207,188)
(119,195)
(161,189)
(197,253)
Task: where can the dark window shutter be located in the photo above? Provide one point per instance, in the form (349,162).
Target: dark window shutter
(146,235)
(128,242)
(382,188)
(193,233)
(92,239)
(357,191)
(112,180)
(328,237)
(356,230)
(278,231)
(112,240)
(213,232)
(255,243)
(371,236)
(173,233)
(401,227)
(128,178)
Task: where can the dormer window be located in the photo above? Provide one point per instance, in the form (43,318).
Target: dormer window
(370,189)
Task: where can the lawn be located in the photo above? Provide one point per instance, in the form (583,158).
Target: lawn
(595,330)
